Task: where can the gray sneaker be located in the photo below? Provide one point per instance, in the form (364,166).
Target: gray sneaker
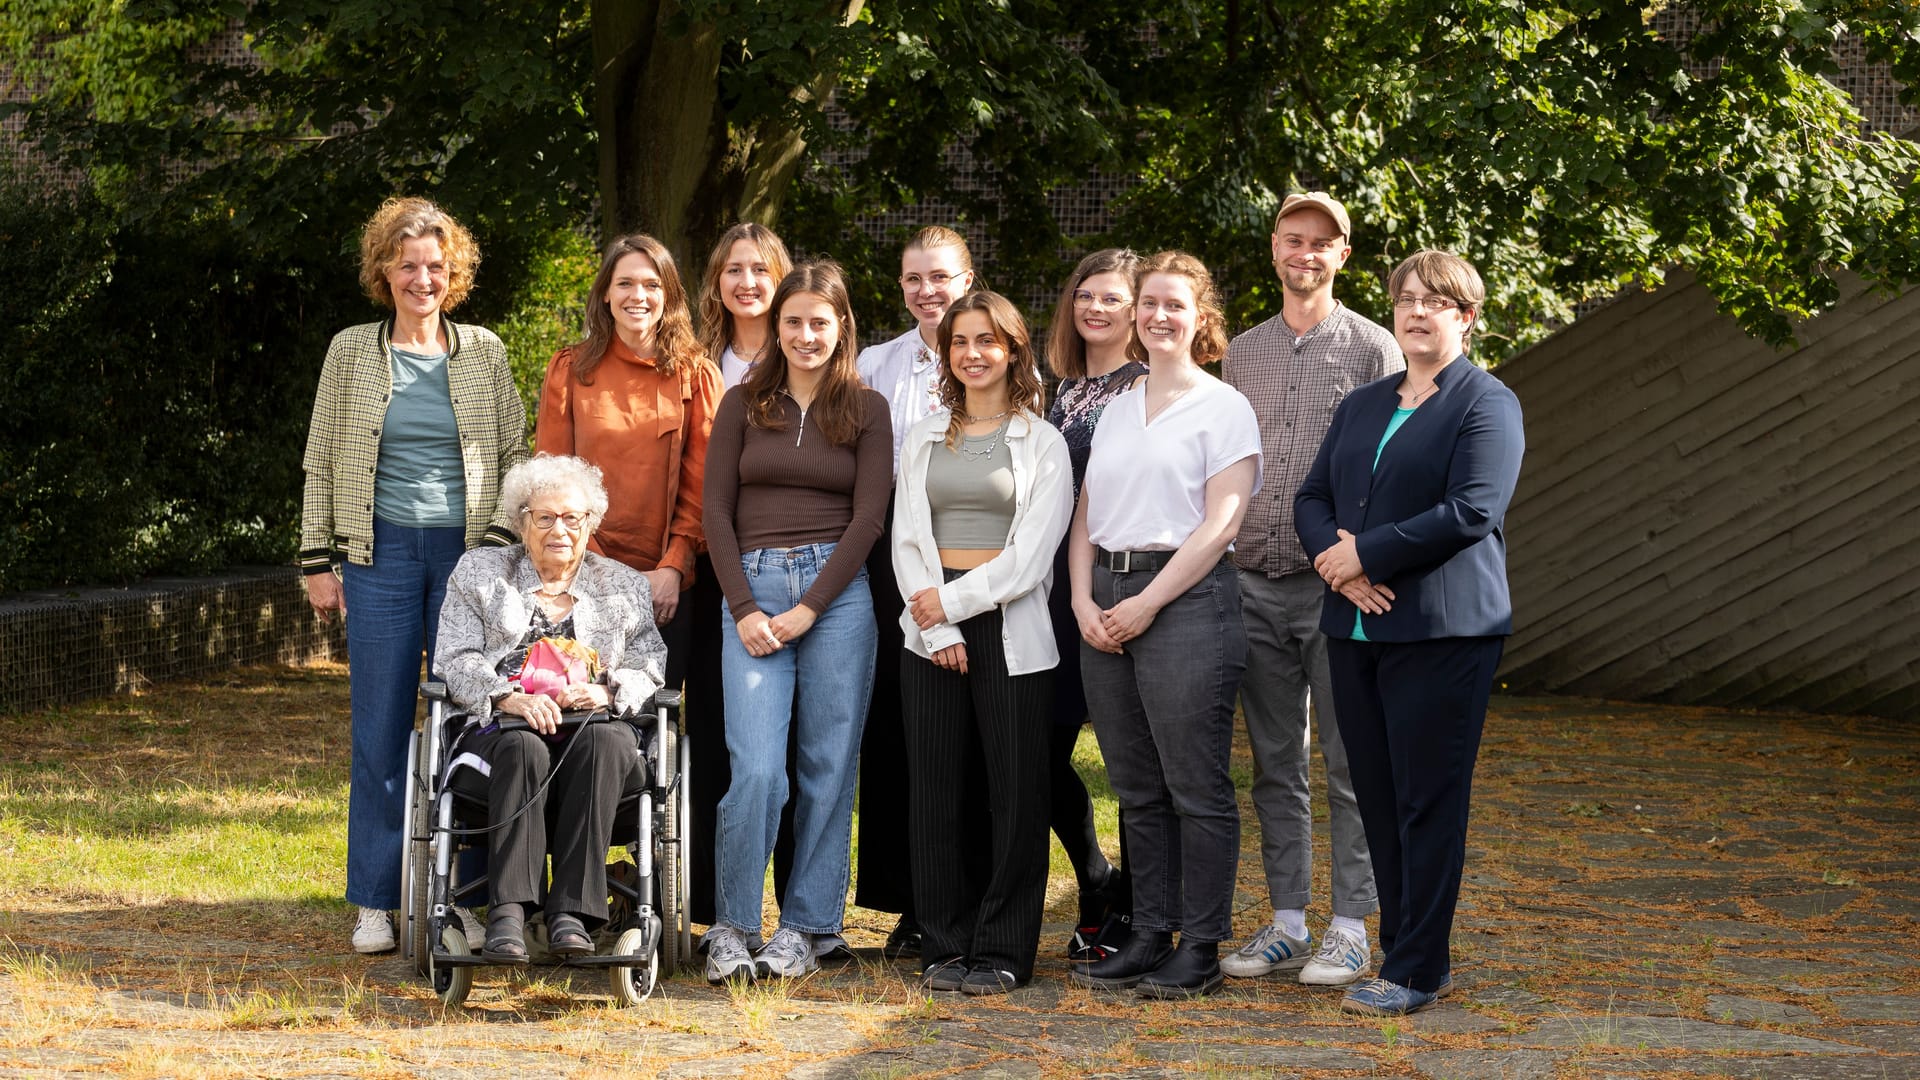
(727,956)
(1270,950)
(1342,959)
(788,955)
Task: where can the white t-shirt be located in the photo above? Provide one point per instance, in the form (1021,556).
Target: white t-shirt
(733,370)
(1147,483)
(908,374)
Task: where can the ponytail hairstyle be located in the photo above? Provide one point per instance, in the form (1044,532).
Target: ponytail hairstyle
(1024,392)
(716,322)
(1210,332)
(674,339)
(837,409)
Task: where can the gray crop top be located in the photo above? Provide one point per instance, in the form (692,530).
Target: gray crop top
(970,490)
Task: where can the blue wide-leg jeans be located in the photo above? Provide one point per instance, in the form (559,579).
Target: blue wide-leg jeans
(818,684)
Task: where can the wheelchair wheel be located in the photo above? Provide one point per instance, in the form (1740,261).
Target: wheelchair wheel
(632,985)
(670,862)
(420,870)
(452,982)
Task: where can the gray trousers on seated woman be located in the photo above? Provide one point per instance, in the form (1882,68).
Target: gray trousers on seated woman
(573,820)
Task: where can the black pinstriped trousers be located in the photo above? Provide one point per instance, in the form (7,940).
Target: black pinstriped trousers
(979,835)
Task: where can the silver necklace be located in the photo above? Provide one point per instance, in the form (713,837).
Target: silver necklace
(1415,400)
(972,419)
(981,455)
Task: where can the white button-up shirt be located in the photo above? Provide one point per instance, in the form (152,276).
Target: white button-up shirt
(907,374)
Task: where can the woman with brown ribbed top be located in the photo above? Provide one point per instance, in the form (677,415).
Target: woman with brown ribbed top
(798,473)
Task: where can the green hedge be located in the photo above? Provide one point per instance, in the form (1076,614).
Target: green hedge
(158,378)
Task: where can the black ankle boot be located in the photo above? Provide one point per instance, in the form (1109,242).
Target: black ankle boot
(1144,951)
(1192,970)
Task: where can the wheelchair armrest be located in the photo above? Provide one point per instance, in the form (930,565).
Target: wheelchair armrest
(433,691)
(665,699)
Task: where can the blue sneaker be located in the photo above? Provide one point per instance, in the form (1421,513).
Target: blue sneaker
(1378,997)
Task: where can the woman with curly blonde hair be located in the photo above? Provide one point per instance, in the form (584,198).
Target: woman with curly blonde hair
(416,420)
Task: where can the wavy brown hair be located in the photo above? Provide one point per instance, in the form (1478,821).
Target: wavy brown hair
(716,322)
(1210,333)
(400,220)
(1066,350)
(674,339)
(837,408)
(1024,391)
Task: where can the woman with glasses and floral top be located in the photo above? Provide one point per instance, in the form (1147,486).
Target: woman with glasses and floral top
(1087,349)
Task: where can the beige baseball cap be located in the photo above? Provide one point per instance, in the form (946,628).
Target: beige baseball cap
(1317,200)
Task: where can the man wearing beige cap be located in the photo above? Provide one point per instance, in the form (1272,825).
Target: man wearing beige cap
(1295,368)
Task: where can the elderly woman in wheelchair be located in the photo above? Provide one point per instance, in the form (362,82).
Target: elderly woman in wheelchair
(538,643)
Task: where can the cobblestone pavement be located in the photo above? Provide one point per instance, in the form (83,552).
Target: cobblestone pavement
(1650,891)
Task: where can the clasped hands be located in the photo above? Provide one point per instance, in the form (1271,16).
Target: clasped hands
(1339,566)
(763,636)
(542,713)
(1111,628)
(928,612)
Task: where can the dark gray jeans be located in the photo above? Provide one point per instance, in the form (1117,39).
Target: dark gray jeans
(1163,711)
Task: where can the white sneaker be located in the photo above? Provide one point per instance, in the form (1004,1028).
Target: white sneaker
(789,955)
(476,930)
(374,932)
(1270,950)
(1342,959)
(727,956)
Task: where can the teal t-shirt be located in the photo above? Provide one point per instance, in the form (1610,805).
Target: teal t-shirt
(1393,425)
(420,481)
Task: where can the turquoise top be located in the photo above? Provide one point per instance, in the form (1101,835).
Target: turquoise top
(420,481)
(1393,425)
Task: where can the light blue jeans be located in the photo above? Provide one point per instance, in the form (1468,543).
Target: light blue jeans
(820,683)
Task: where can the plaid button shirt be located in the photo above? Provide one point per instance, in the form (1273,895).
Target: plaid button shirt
(343,441)
(1295,384)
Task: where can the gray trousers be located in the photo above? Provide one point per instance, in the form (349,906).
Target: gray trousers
(1287,655)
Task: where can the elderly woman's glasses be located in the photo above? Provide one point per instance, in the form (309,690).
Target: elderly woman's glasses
(543,519)
(1432,303)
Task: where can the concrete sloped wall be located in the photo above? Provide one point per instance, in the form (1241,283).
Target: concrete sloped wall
(1705,519)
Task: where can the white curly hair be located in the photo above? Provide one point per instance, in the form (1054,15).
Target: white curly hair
(543,473)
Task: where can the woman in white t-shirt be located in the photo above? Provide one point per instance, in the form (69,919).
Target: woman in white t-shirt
(736,330)
(1175,461)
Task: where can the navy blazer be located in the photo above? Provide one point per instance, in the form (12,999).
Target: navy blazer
(1427,523)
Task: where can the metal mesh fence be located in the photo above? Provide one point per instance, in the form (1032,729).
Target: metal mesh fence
(57,647)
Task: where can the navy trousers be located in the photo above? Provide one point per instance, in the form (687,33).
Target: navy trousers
(1411,714)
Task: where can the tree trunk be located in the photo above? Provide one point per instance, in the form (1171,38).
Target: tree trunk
(672,162)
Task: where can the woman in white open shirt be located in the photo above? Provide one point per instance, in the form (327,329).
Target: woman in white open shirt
(1175,461)
(983,499)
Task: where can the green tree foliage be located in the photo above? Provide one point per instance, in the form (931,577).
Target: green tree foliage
(1569,147)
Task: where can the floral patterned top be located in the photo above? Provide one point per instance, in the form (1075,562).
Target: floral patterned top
(540,627)
(1076,409)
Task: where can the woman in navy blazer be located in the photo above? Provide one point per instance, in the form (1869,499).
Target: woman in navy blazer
(1403,510)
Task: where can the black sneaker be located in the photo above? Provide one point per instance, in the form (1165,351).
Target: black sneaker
(904,942)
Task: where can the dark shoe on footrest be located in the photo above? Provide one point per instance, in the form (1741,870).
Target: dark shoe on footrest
(567,935)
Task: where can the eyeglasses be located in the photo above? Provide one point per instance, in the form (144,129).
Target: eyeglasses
(1083,298)
(938,279)
(1432,303)
(545,519)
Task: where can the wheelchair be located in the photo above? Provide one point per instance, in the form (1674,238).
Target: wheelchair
(650,930)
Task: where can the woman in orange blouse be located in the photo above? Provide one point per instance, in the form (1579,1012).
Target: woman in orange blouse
(636,397)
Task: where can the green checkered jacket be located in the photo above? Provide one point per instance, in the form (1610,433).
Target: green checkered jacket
(343,441)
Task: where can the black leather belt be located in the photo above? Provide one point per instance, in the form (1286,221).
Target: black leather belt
(1131,562)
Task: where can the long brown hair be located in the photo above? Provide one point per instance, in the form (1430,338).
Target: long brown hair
(1066,350)
(716,322)
(675,338)
(837,409)
(1024,392)
(1210,334)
